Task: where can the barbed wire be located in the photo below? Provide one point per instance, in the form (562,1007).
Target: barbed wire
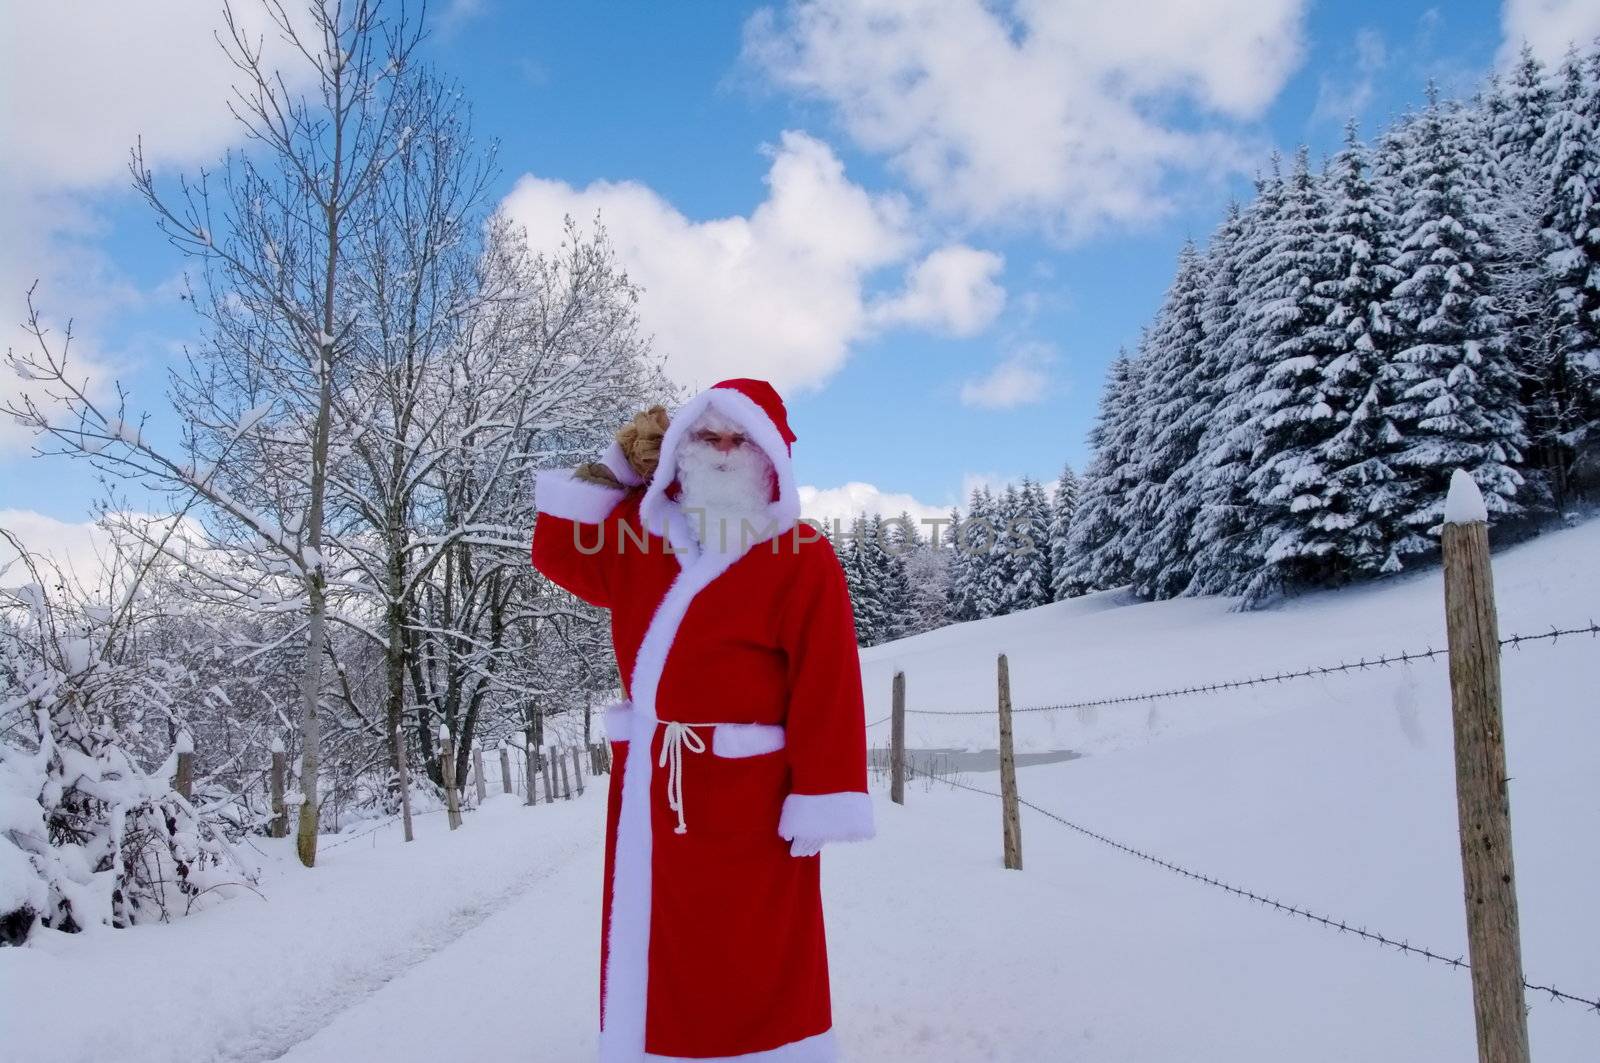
(1341,925)
(1513,641)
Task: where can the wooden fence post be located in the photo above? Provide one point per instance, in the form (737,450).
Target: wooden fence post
(577,769)
(447,769)
(403,773)
(477,769)
(280,814)
(897,741)
(1483,804)
(505,767)
(549,784)
(559,758)
(183,780)
(1010,815)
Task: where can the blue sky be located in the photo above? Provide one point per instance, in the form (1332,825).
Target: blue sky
(931,232)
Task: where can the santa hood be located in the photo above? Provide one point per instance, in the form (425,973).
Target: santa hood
(754,405)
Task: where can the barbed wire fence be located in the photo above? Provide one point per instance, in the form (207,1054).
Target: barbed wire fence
(940,771)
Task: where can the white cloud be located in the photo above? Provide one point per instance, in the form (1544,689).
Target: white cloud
(1052,111)
(848,501)
(75,546)
(952,290)
(81,83)
(1549,27)
(1021,378)
(779,294)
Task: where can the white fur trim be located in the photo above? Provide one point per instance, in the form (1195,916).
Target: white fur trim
(628,948)
(615,460)
(561,494)
(840,817)
(619,721)
(818,1048)
(662,515)
(746,739)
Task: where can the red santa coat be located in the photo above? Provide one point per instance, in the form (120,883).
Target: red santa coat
(712,942)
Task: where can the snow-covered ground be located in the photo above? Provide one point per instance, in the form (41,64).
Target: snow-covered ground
(1333,793)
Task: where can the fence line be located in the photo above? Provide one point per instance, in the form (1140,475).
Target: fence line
(1514,641)
(1343,926)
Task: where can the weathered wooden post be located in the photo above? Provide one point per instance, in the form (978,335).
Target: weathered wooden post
(280,814)
(897,741)
(477,769)
(559,759)
(183,779)
(447,770)
(1483,804)
(549,784)
(403,773)
(577,768)
(530,767)
(1010,815)
(505,766)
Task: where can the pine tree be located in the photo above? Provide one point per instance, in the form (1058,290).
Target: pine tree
(1063,508)
(958,573)
(984,563)
(1225,534)
(1027,549)
(1454,389)
(1356,520)
(1158,516)
(1566,404)
(1095,547)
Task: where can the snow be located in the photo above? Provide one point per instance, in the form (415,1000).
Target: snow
(1335,793)
(1464,503)
(184,743)
(277,745)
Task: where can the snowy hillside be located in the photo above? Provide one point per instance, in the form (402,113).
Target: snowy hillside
(1335,794)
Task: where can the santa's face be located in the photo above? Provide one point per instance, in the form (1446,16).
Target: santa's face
(724,478)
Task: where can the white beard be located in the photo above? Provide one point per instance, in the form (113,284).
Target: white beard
(721,492)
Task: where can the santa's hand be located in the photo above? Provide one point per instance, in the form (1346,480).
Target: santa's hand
(805,847)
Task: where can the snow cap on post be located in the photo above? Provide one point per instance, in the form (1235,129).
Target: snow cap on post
(277,744)
(1464,504)
(184,743)
(444,732)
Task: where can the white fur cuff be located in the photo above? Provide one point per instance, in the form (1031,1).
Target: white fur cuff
(615,460)
(561,494)
(619,721)
(840,817)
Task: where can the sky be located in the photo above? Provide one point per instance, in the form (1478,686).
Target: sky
(930,224)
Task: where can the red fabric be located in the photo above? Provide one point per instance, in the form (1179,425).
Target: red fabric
(738,956)
(766,396)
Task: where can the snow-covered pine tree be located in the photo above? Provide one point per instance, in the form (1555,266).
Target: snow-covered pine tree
(958,572)
(1292,417)
(1158,515)
(1000,571)
(1095,545)
(1566,403)
(1063,507)
(1025,542)
(1224,539)
(894,540)
(1356,519)
(1454,389)
(982,526)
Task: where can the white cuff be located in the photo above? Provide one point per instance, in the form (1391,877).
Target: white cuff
(619,721)
(561,494)
(615,460)
(839,817)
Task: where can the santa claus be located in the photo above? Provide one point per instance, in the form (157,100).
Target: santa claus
(740,748)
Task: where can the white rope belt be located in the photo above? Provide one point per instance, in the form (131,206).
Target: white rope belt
(679,736)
